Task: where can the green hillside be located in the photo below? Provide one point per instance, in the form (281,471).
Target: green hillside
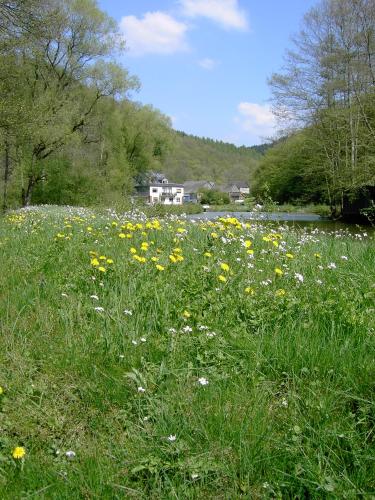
(201,158)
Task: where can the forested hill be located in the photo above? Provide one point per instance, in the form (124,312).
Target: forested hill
(196,158)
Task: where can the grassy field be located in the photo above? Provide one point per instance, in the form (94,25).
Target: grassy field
(173,359)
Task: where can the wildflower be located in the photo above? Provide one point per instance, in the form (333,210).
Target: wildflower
(344,257)
(222,278)
(317,255)
(250,252)
(99,309)
(142,339)
(102,269)
(248,244)
(172,330)
(171,438)
(94,297)
(102,257)
(187,329)
(154,259)
(122,235)
(194,476)
(208,254)
(299,277)
(64,295)
(134,342)
(18,453)
(173,259)
(128,312)
(159,267)
(70,454)
(1,390)
(203,381)
(133,250)
(141,389)
(280,293)
(332,265)
(224,267)
(289,255)
(214,235)
(109,261)
(278,271)
(94,262)
(186,314)
(211,335)
(249,290)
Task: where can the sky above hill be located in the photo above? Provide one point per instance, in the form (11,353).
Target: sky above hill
(205,63)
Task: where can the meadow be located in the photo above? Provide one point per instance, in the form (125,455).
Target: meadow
(169,358)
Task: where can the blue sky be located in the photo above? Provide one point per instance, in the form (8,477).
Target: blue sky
(205,63)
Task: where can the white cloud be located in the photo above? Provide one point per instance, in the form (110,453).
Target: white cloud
(155,33)
(208,64)
(256,119)
(225,12)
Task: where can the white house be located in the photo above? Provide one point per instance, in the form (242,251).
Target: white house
(166,193)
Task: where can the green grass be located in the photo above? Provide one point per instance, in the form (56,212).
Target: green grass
(323,210)
(288,410)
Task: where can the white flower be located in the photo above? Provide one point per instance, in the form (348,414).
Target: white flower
(202,381)
(101,283)
(171,437)
(344,257)
(284,403)
(172,330)
(210,335)
(70,454)
(202,327)
(127,312)
(63,295)
(142,339)
(194,476)
(298,277)
(187,329)
(320,282)
(121,356)
(94,297)
(99,309)
(332,265)
(141,389)
(134,342)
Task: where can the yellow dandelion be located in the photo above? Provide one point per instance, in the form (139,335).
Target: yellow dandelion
(154,259)
(19,452)
(133,250)
(280,293)
(94,262)
(289,255)
(102,257)
(109,261)
(249,290)
(102,269)
(224,267)
(317,255)
(172,258)
(159,267)
(208,254)
(222,278)
(1,390)
(250,252)
(278,271)
(248,244)
(122,235)
(214,235)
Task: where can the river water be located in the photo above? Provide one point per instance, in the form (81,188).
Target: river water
(298,220)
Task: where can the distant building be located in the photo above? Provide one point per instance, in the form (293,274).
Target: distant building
(159,190)
(192,190)
(238,190)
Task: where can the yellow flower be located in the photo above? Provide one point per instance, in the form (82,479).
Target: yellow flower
(186,314)
(224,267)
(248,244)
(1,390)
(18,452)
(222,278)
(249,290)
(114,224)
(89,229)
(289,255)
(208,254)
(173,258)
(133,250)
(317,255)
(94,262)
(181,230)
(102,269)
(278,271)
(122,235)
(154,259)
(159,267)
(109,261)
(214,235)
(280,292)
(275,243)
(177,250)
(102,257)
(142,260)
(250,252)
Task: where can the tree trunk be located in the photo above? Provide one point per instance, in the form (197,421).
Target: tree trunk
(26,193)
(6,171)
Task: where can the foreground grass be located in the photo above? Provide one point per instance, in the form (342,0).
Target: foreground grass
(242,366)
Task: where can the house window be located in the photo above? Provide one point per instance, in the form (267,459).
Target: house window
(154,190)
(178,190)
(178,200)
(171,200)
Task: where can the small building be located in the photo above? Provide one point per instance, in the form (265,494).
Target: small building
(192,190)
(165,193)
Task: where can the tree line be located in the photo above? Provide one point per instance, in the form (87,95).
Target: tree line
(69,132)
(325,98)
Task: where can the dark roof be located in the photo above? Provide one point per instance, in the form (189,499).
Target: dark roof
(194,186)
(165,184)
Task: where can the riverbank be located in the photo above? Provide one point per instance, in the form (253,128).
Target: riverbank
(161,358)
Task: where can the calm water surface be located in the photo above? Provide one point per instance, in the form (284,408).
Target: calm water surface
(309,221)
